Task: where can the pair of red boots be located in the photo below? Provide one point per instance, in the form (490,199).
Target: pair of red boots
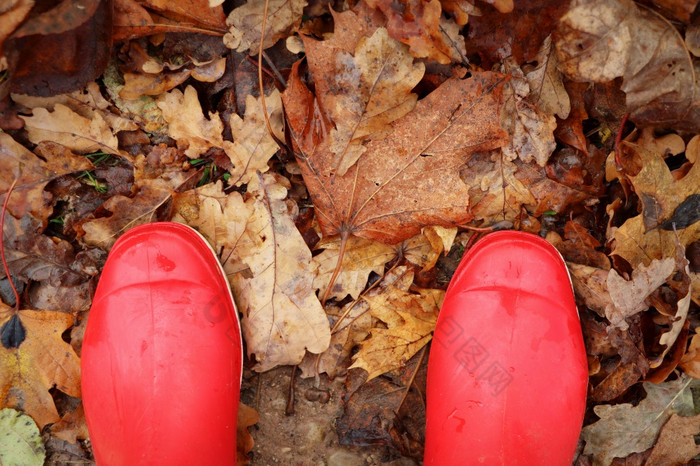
(162,356)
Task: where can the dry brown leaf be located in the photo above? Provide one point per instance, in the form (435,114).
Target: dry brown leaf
(691,360)
(361,257)
(126,213)
(624,429)
(410,319)
(370,91)
(599,40)
(591,286)
(197,12)
(389,198)
(676,442)
(628,297)
(64,126)
(245,23)
(282,317)
(247,417)
(72,426)
(136,85)
(187,124)
(42,361)
(499,188)
(546,83)
(210,72)
(252,145)
(420,25)
(425,248)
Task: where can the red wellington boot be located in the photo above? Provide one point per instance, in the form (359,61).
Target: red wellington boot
(507,375)
(161,358)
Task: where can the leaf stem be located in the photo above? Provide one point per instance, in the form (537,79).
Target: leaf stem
(344,236)
(2,242)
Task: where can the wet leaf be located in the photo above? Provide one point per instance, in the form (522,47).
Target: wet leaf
(546,84)
(245,23)
(20,440)
(624,429)
(43,360)
(430,143)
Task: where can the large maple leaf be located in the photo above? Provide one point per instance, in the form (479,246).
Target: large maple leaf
(410,178)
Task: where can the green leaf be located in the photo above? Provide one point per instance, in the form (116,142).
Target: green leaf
(20,441)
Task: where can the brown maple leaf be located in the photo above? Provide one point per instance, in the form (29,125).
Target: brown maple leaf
(411,177)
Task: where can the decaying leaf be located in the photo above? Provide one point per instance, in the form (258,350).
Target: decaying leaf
(425,248)
(282,317)
(127,213)
(247,417)
(361,257)
(252,145)
(390,199)
(690,363)
(245,23)
(187,124)
(40,362)
(624,429)
(72,426)
(410,318)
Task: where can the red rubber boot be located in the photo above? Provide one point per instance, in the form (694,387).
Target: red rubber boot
(507,374)
(161,358)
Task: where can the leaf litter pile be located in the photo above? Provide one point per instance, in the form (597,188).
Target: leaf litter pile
(340,164)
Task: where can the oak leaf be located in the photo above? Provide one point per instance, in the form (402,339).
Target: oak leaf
(245,23)
(690,363)
(196,12)
(410,319)
(425,248)
(410,178)
(624,429)
(42,361)
(676,442)
(72,426)
(252,145)
(361,257)
(247,417)
(282,317)
(64,126)
(187,124)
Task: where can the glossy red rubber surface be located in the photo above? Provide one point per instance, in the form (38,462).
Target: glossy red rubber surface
(161,357)
(507,374)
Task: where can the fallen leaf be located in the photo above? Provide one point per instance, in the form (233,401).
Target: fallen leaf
(676,442)
(72,426)
(425,248)
(591,286)
(547,89)
(361,257)
(282,317)
(600,40)
(41,362)
(391,198)
(420,25)
(245,23)
(66,127)
(126,213)
(252,145)
(624,429)
(410,319)
(187,124)
(196,12)
(629,297)
(371,90)
(20,440)
(690,363)
(247,417)
(138,84)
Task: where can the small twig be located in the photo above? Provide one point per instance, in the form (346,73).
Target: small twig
(413,377)
(289,410)
(2,242)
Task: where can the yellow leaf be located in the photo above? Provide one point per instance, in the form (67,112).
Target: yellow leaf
(43,360)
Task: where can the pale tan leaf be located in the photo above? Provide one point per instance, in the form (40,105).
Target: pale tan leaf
(546,84)
(187,124)
(624,429)
(676,442)
(64,126)
(245,23)
(425,248)
(282,317)
(252,145)
(361,257)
